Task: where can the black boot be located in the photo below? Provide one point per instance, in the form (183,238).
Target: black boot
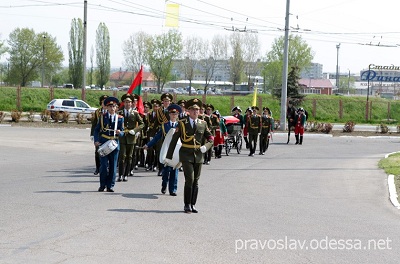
(219,151)
(288,138)
(194,199)
(297,139)
(301,140)
(187,196)
(247,142)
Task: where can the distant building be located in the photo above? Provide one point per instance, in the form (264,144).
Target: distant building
(313,72)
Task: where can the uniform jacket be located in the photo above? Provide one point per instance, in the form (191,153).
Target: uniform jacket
(267,124)
(134,121)
(191,139)
(254,124)
(153,126)
(95,119)
(300,120)
(162,132)
(102,133)
(214,121)
(241,119)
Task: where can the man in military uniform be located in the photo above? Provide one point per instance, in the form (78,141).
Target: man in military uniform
(213,126)
(183,113)
(291,116)
(147,109)
(267,126)
(169,174)
(109,127)
(133,124)
(192,131)
(153,127)
(162,117)
(254,129)
(95,119)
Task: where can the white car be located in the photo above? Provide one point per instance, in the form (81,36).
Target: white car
(72,106)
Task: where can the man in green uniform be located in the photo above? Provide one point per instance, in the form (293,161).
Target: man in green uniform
(254,129)
(192,132)
(133,124)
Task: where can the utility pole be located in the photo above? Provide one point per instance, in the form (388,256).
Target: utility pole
(337,66)
(44,40)
(84,49)
(285,69)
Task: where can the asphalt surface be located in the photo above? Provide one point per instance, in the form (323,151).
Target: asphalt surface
(323,202)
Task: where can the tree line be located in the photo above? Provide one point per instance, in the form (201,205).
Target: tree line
(33,55)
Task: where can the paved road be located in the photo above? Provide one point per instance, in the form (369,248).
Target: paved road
(327,196)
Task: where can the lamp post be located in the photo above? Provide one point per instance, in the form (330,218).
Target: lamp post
(44,39)
(348,83)
(368,78)
(337,66)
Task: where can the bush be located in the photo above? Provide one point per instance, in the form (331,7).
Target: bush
(2,115)
(319,127)
(16,116)
(45,116)
(80,118)
(349,127)
(31,116)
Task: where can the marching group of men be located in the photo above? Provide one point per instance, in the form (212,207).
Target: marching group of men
(138,139)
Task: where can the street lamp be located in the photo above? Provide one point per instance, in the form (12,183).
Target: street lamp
(368,78)
(348,83)
(44,39)
(337,66)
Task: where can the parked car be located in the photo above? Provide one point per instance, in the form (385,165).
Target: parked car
(71,105)
(200,92)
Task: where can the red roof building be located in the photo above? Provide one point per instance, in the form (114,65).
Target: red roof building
(120,78)
(316,86)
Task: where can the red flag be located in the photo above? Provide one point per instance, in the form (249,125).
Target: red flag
(136,88)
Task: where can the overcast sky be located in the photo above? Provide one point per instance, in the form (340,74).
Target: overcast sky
(368,32)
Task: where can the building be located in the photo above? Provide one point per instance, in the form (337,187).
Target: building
(316,86)
(121,78)
(313,72)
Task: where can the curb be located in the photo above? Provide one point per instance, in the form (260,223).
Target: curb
(392,187)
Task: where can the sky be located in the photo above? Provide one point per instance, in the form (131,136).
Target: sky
(368,32)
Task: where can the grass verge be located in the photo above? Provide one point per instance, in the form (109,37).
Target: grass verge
(391,165)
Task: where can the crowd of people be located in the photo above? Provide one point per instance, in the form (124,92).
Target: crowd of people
(126,139)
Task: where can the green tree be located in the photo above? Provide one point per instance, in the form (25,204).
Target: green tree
(52,57)
(300,56)
(60,77)
(75,51)
(103,54)
(161,51)
(27,57)
(236,61)
(135,50)
(293,86)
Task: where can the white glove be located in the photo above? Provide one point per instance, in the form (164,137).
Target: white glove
(203,149)
(137,134)
(151,138)
(132,132)
(91,138)
(168,162)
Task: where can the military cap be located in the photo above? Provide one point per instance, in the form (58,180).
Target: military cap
(236,108)
(266,108)
(155,102)
(249,109)
(111,101)
(130,97)
(174,108)
(148,104)
(182,101)
(210,106)
(194,103)
(101,99)
(167,96)
(255,108)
